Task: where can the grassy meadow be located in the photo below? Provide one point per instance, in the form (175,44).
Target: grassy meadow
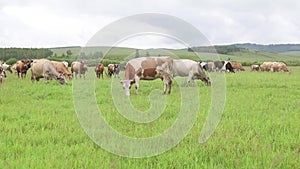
(259,127)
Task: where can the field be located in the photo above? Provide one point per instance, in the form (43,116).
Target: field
(259,127)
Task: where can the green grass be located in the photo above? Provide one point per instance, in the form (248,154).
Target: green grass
(259,127)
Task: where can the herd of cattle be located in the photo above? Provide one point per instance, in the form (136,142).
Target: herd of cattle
(143,68)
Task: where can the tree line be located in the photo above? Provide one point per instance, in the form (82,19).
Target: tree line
(14,54)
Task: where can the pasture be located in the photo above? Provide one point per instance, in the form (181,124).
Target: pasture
(259,127)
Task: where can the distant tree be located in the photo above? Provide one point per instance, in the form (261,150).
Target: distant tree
(63,55)
(137,53)
(11,61)
(190,49)
(147,54)
(97,55)
(69,53)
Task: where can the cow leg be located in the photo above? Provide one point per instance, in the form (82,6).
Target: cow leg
(137,80)
(170,86)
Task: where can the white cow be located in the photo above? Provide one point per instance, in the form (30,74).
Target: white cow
(191,69)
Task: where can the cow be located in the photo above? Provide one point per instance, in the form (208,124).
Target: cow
(5,66)
(22,66)
(145,68)
(223,66)
(117,71)
(210,66)
(110,69)
(279,66)
(43,68)
(237,66)
(99,69)
(254,68)
(2,74)
(266,66)
(113,69)
(62,69)
(79,68)
(191,69)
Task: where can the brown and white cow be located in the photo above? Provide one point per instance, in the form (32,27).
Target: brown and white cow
(237,66)
(145,68)
(191,69)
(79,68)
(279,66)
(2,74)
(43,68)
(5,66)
(62,69)
(99,69)
(22,66)
(254,68)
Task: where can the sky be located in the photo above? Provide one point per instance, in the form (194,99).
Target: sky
(57,23)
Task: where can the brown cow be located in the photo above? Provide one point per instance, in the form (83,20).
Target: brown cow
(79,68)
(43,68)
(237,66)
(22,66)
(99,69)
(145,68)
(110,69)
(62,69)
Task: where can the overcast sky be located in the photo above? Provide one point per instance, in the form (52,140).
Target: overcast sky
(52,23)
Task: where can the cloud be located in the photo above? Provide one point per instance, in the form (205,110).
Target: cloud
(29,23)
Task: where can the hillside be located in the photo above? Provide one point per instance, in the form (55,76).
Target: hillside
(274,48)
(228,52)
(244,53)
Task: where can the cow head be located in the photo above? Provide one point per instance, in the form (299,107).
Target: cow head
(207,81)
(126,86)
(61,79)
(27,63)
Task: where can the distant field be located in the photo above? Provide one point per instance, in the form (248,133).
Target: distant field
(259,127)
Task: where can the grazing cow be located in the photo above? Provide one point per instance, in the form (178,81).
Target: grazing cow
(254,68)
(79,68)
(279,66)
(2,74)
(190,68)
(43,68)
(99,69)
(145,68)
(223,66)
(237,66)
(266,66)
(62,69)
(22,66)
